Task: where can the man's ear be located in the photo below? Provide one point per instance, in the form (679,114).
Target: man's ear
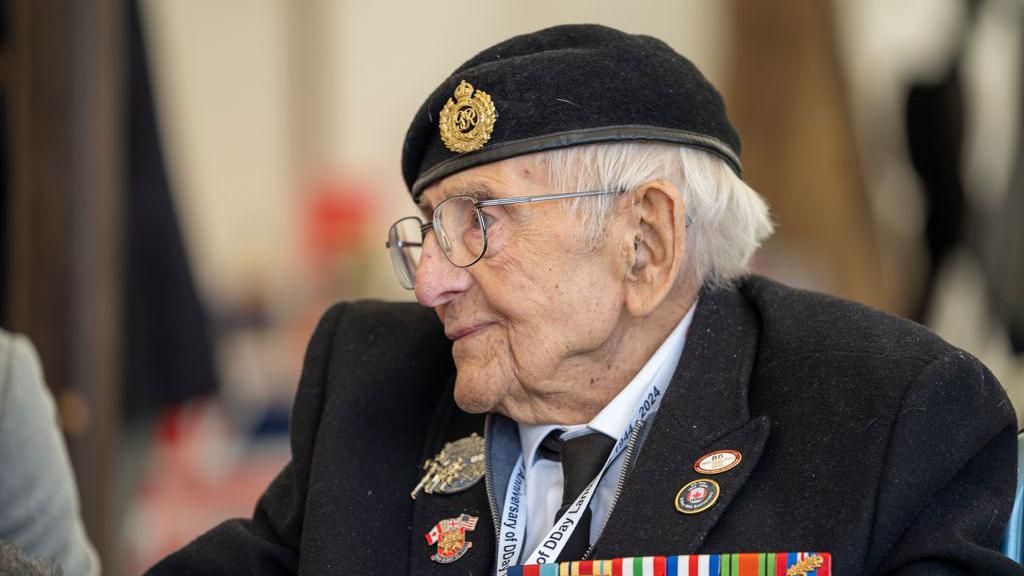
(658,231)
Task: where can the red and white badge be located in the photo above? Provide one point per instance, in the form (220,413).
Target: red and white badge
(717,462)
(450,536)
(697,496)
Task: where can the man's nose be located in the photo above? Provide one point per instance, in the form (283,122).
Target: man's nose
(438,281)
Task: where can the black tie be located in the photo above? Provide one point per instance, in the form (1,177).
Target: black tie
(582,458)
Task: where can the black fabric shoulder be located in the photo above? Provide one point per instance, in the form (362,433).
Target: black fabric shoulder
(373,375)
(948,482)
(798,322)
(385,372)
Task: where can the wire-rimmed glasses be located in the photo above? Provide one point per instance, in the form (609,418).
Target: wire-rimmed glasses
(461,230)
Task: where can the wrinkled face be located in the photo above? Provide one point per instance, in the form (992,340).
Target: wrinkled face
(538,315)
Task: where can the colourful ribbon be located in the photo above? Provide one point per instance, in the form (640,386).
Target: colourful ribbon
(743,564)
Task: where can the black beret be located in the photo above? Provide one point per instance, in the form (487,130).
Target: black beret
(564,86)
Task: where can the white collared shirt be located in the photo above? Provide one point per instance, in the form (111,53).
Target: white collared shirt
(543,485)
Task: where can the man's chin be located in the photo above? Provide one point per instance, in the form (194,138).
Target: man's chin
(474,396)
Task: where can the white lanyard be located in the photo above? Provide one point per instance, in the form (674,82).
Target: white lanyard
(512,531)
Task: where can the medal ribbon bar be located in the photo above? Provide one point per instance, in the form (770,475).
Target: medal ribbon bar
(742,564)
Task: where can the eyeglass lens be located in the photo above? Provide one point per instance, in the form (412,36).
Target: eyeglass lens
(406,243)
(460,234)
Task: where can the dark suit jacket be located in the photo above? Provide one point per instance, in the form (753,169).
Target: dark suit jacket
(862,435)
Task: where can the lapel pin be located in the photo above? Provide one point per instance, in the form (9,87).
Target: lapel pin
(450,536)
(717,462)
(456,468)
(697,496)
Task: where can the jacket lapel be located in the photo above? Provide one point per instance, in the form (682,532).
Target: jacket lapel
(704,410)
(450,424)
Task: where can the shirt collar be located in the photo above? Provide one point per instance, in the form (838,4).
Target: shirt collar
(613,419)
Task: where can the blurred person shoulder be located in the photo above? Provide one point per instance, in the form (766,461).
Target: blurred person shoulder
(14,562)
(39,507)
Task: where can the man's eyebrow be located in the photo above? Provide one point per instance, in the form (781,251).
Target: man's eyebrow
(476,190)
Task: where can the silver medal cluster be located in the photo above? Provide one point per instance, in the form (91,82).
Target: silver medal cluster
(457,467)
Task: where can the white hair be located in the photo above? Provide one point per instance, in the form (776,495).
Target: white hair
(727,220)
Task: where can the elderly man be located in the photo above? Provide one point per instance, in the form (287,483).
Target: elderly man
(594,376)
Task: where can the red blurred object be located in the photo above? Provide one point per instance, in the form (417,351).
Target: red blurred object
(335,220)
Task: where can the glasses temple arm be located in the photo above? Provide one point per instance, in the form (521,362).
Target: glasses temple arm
(401,244)
(541,198)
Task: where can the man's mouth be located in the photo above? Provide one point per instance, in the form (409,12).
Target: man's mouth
(460,333)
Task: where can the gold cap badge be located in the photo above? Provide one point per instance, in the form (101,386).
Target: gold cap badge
(467,122)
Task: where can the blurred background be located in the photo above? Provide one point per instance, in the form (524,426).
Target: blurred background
(188,184)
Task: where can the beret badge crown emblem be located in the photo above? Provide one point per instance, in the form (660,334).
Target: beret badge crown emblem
(467,122)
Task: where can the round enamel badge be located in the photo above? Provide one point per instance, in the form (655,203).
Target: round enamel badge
(697,496)
(717,462)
